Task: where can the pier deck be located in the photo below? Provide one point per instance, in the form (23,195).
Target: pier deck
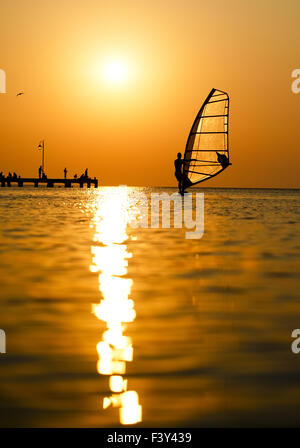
(20,181)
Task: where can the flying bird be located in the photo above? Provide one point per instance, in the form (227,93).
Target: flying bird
(20,93)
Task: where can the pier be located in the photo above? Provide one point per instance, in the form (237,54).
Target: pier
(20,181)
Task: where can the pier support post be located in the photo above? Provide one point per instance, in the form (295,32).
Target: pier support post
(8,183)
(3,183)
(68,184)
(50,184)
(81,184)
(88,184)
(20,183)
(36,183)
(96,184)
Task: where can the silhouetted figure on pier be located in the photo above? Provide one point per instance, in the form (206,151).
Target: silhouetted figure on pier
(40,172)
(75,176)
(44,177)
(65,172)
(9,175)
(86,173)
(15,176)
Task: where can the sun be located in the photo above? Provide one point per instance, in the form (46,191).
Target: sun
(115,71)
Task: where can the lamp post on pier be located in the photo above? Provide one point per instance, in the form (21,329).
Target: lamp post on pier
(41,147)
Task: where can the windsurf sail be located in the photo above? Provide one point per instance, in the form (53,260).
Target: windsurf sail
(206,153)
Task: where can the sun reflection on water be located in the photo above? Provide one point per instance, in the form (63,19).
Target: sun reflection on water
(110,259)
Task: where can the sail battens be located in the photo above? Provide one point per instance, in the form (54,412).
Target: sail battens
(207,150)
(216,101)
(209,164)
(214,116)
(209,131)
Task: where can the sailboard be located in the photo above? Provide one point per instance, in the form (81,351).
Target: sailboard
(207,152)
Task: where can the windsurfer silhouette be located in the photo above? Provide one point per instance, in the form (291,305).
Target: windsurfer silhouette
(180,176)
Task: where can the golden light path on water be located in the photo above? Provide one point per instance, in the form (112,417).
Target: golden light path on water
(116,309)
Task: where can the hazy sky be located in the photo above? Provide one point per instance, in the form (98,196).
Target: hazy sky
(170,53)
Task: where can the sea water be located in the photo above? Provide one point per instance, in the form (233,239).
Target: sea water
(107,324)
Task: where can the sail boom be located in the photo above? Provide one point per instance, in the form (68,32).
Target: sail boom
(208,176)
(197,172)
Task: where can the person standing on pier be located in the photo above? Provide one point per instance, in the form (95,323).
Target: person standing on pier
(40,172)
(65,172)
(86,173)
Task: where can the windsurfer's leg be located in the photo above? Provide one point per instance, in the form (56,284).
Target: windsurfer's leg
(179,179)
(181,189)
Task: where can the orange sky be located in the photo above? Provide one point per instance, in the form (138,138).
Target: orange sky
(174,52)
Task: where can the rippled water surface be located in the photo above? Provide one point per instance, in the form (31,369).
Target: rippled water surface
(107,324)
